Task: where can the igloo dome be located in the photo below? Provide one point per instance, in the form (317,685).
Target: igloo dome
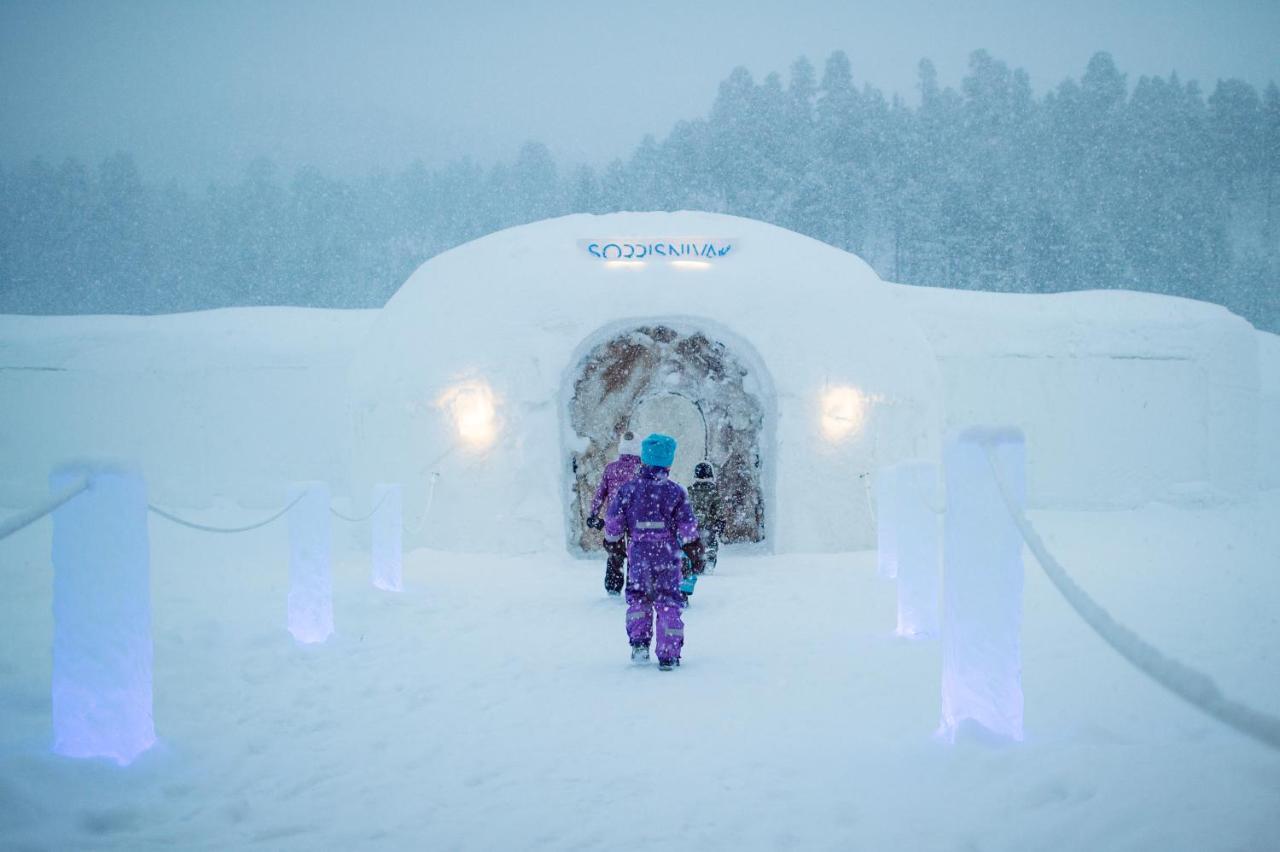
(496,383)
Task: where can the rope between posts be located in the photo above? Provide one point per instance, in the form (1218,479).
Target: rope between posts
(362,518)
(205,528)
(30,516)
(1192,686)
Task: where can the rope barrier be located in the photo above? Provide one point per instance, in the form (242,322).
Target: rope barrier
(362,518)
(1192,686)
(30,516)
(205,528)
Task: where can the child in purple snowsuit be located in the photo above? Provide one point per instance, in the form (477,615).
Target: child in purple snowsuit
(616,474)
(655,514)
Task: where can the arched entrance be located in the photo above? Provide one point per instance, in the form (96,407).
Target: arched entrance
(659,378)
(679,417)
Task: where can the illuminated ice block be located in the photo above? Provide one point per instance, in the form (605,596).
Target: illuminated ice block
(917,535)
(310,565)
(386,528)
(102,617)
(887,493)
(982,589)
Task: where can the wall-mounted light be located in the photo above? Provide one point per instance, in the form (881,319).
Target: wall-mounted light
(624,264)
(691,264)
(474,412)
(844,409)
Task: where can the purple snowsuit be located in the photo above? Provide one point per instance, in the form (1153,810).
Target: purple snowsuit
(616,474)
(655,513)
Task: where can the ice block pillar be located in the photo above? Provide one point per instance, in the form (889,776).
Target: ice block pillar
(310,565)
(387,528)
(102,616)
(982,591)
(917,532)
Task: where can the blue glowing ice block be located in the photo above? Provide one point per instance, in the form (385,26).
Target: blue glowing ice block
(102,648)
(310,565)
(386,528)
(982,590)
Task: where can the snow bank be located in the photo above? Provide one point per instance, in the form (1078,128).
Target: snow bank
(1124,397)
(236,402)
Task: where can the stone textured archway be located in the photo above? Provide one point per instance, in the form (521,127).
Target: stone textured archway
(633,365)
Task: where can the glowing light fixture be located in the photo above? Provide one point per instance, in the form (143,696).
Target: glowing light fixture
(843,411)
(624,264)
(691,264)
(474,413)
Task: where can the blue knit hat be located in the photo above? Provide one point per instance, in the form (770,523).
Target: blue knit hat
(658,450)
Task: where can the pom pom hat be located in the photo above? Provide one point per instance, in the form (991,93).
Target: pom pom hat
(629,445)
(658,450)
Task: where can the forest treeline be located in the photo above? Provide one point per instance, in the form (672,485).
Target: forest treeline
(1096,184)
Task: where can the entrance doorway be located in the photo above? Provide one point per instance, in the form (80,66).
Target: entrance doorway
(674,415)
(681,382)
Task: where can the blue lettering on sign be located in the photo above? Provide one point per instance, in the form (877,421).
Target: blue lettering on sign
(709,249)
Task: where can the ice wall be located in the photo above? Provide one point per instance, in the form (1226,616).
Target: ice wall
(102,652)
(1124,397)
(235,403)
(517,312)
(982,597)
(386,533)
(888,521)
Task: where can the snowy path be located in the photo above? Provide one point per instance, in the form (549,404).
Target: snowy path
(491,706)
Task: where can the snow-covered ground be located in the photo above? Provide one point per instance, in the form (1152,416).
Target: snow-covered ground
(492,706)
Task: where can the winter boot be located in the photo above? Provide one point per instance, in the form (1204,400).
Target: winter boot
(667,665)
(639,653)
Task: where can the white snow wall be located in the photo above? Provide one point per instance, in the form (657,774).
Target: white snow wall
(510,316)
(1123,397)
(232,403)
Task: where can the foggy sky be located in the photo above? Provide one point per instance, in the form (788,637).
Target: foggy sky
(196,90)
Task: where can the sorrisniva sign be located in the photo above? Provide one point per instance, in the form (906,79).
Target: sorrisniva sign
(660,248)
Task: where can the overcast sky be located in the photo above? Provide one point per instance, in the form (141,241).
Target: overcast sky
(196,89)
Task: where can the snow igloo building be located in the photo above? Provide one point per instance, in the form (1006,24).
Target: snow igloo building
(496,383)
